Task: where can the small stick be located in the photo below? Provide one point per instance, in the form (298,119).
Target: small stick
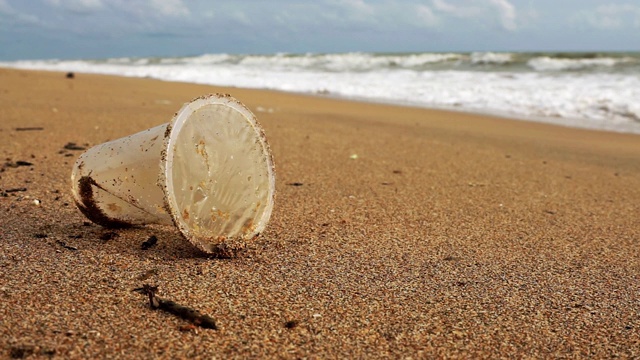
(18,164)
(64,245)
(184,312)
(15,190)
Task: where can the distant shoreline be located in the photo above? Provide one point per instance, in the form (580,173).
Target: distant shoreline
(574,123)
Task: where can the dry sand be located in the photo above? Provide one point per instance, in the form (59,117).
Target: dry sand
(450,235)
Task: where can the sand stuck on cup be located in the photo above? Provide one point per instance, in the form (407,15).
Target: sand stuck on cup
(209,171)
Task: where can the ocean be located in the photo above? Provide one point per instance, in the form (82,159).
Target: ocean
(588,90)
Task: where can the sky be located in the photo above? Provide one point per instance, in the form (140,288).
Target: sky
(74,29)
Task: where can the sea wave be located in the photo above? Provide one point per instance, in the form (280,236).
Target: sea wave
(362,62)
(491,58)
(594,91)
(546,63)
(346,62)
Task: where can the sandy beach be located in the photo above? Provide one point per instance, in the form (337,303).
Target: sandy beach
(398,232)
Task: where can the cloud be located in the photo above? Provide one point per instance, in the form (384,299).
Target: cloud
(171,8)
(343,11)
(113,18)
(156,8)
(148,11)
(241,17)
(358,6)
(480,9)
(5,8)
(77,6)
(461,11)
(610,16)
(426,16)
(11,16)
(507,13)
(318,17)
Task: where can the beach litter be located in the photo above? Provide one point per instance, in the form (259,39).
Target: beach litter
(181,311)
(209,172)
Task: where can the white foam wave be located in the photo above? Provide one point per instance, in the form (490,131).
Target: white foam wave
(593,100)
(546,63)
(346,62)
(491,58)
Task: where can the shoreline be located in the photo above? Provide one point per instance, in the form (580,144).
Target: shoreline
(397,232)
(549,120)
(584,122)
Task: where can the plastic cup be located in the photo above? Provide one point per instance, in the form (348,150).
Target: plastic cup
(209,171)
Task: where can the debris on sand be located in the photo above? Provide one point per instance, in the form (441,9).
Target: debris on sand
(184,312)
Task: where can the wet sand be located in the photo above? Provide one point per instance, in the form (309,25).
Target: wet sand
(397,232)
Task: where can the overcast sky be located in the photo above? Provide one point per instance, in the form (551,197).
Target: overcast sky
(112,28)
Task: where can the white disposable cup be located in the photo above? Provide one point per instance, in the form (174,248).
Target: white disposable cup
(209,171)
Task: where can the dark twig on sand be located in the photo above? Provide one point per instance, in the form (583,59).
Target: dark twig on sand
(151,241)
(16,190)
(74,146)
(68,247)
(184,312)
(17,164)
